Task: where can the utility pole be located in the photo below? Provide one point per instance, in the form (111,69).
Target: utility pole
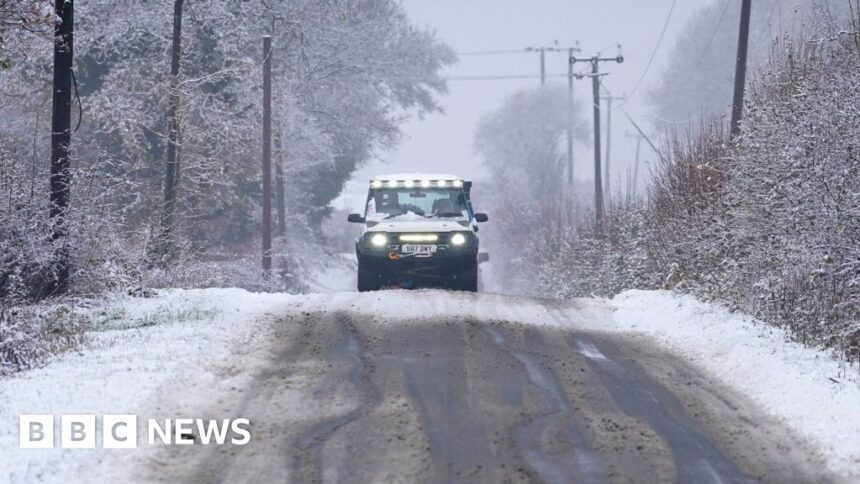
(595,87)
(570,120)
(542,66)
(542,52)
(267,155)
(598,193)
(171,172)
(636,163)
(61,137)
(280,197)
(607,187)
(741,68)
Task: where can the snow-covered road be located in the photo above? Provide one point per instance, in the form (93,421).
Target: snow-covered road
(432,385)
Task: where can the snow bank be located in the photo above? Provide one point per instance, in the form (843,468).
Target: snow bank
(138,347)
(815,394)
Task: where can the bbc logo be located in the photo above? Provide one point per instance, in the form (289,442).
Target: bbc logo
(77,431)
(120,431)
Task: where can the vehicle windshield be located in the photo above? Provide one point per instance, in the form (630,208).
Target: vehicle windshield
(388,203)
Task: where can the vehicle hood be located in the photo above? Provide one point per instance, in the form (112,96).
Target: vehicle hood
(429,225)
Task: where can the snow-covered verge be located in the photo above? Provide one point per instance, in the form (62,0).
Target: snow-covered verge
(130,359)
(814,393)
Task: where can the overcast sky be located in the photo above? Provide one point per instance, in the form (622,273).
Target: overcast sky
(444,142)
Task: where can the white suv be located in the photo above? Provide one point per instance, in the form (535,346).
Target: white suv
(418,230)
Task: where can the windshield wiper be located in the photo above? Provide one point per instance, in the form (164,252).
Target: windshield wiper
(445,214)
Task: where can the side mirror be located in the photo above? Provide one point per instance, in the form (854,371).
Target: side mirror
(483,257)
(355,218)
(481,217)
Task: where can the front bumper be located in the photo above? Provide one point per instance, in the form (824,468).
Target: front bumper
(438,270)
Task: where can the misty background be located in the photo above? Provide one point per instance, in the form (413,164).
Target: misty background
(444,142)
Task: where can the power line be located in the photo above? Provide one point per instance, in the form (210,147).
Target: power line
(512,51)
(642,133)
(714,33)
(500,77)
(491,52)
(653,54)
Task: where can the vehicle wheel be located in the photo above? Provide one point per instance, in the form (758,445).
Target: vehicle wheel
(469,280)
(367,280)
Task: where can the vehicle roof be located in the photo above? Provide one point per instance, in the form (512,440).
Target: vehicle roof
(415,176)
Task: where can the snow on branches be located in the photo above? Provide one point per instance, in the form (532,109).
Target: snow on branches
(346,74)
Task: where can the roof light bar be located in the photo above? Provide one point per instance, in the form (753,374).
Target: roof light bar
(423,183)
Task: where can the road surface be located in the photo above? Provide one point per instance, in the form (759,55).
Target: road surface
(342,396)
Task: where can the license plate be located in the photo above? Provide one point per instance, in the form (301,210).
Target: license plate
(418,249)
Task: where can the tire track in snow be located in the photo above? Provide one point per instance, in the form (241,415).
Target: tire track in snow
(636,394)
(588,466)
(307,462)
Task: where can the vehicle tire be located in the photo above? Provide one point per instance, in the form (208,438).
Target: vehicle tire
(469,280)
(367,279)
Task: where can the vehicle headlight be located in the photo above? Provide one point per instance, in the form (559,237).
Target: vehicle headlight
(379,240)
(458,239)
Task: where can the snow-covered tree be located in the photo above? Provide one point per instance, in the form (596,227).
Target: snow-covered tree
(347,73)
(34,16)
(522,145)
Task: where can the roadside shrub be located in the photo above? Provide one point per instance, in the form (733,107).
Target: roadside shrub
(585,260)
(793,202)
(29,335)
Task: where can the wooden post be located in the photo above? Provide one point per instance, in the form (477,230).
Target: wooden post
(171,174)
(61,136)
(267,154)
